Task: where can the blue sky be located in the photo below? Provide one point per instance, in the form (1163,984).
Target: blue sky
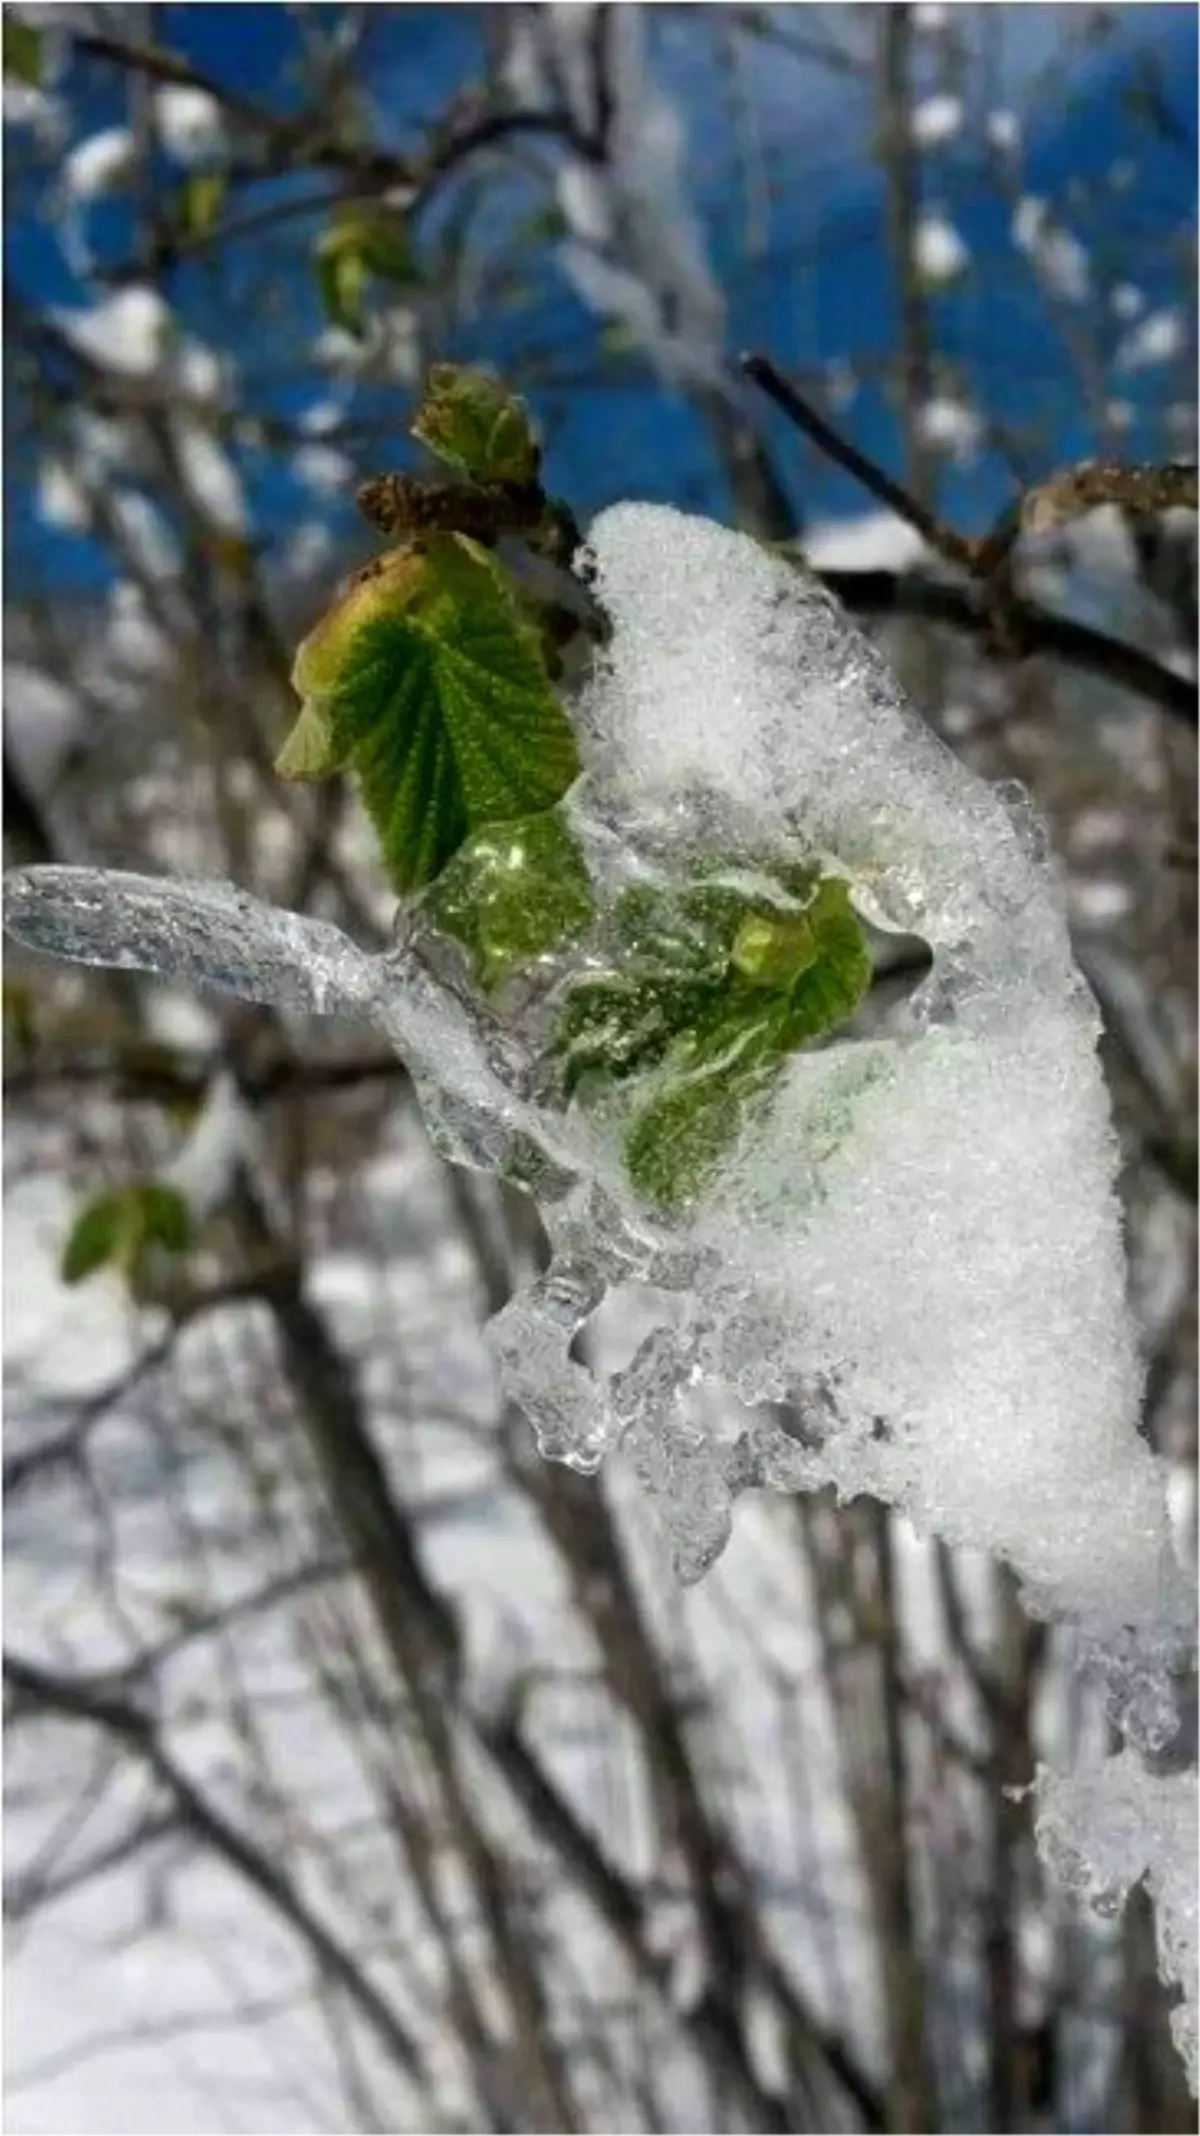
(819,292)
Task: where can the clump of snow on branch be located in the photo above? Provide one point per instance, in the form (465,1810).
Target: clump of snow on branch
(127,332)
(950,426)
(635,252)
(190,125)
(939,252)
(869,541)
(1003,130)
(222,1139)
(1058,258)
(98,163)
(1159,338)
(936,120)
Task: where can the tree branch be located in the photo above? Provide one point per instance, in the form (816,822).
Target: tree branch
(75,1699)
(1027,627)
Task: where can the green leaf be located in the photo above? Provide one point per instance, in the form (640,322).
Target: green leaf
(831,986)
(22,51)
(513,892)
(714,1088)
(674,978)
(120,1226)
(202,199)
(94,1239)
(165,1220)
(342,280)
(717,985)
(353,248)
(431,686)
(308,752)
(469,420)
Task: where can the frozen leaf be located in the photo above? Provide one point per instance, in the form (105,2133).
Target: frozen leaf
(426,681)
(717,987)
(512,892)
(469,420)
(715,1082)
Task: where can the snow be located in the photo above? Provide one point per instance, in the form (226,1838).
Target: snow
(949,426)
(635,253)
(1100,900)
(199,371)
(1127,300)
(324,469)
(142,535)
(62,501)
(1158,338)
(190,124)
(43,720)
(210,478)
(1060,260)
(320,418)
(940,253)
(126,331)
(936,120)
(871,541)
(222,1138)
(988,1094)
(1003,130)
(26,105)
(583,198)
(99,163)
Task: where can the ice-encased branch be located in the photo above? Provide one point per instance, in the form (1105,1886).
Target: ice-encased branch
(207,932)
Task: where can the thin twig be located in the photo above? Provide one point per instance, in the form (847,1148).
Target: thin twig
(1027,628)
(762,372)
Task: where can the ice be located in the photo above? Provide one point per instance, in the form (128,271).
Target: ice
(925,1225)
(919,1247)
(906,1278)
(1104,1828)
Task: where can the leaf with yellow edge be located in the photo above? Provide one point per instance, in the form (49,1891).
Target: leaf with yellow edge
(427,682)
